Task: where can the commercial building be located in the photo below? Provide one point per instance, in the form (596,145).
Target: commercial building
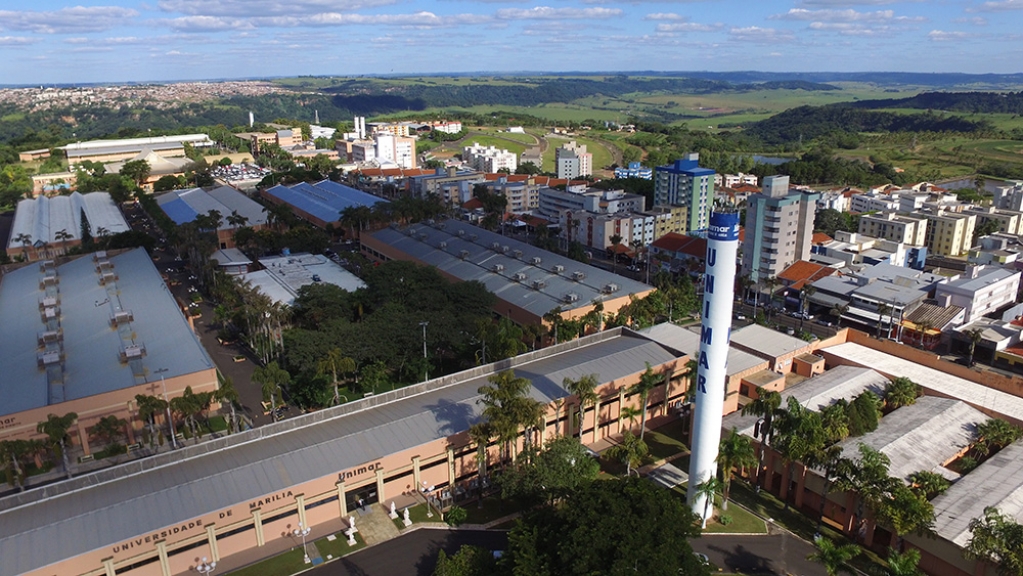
(281,277)
(908,229)
(320,203)
(576,198)
(572,161)
(53,183)
(236,497)
(685,183)
(489,159)
(86,337)
(527,281)
(949,233)
(159,166)
(236,210)
(779,227)
(634,170)
(46,227)
(124,149)
(854,249)
(982,290)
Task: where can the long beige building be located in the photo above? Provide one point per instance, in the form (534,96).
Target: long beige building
(907,229)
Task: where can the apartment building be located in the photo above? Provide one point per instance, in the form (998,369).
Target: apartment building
(489,158)
(949,233)
(521,191)
(1008,220)
(634,170)
(573,161)
(874,202)
(983,289)
(580,198)
(833,201)
(907,229)
(452,186)
(668,219)
(686,183)
(779,228)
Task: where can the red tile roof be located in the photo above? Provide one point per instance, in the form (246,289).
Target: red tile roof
(802,272)
(820,238)
(748,188)
(680,243)
(472,204)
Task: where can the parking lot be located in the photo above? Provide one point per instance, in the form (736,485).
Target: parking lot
(239,172)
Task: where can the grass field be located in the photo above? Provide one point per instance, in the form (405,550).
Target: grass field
(602,156)
(495,141)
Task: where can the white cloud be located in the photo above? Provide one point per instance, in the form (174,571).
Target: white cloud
(689,27)
(247,8)
(549,13)
(997,6)
(947,36)
(666,16)
(16,41)
(757,34)
(71,20)
(421,20)
(976,20)
(828,15)
(849,2)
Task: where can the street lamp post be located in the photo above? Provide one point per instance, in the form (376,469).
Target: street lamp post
(170,421)
(303,531)
(426,365)
(205,567)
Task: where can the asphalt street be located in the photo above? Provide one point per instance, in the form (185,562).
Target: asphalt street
(416,554)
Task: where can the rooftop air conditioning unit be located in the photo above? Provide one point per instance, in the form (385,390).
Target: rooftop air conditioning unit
(441,225)
(443,245)
(411,231)
(611,288)
(517,254)
(461,233)
(536,260)
(578,276)
(498,267)
(571,297)
(504,249)
(539,284)
(463,254)
(473,237)
(519,277)
(496,246)
(557,268)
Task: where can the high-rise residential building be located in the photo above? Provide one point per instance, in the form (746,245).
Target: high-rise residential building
(573,161)
(489,159)
(686,183)
(779,228)
(908,229)
(950,233)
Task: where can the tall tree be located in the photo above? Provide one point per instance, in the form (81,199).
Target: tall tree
(766,406)
(648,380)
(630,451)
(998,539)
(975,335)
(834,557)
(228,394)
(333,362)
(707,490)
(734,451)
(616,241)
(56,430)
(800,436)
(506,407)
(903,564)
(899,392)
(584,389)
(271,377)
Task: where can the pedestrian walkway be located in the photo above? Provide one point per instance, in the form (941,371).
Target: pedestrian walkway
(376,526)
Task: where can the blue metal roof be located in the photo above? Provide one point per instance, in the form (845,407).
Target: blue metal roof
(179,211)
(324,200)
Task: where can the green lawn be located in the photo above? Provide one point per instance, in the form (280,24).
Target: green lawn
(742,521)
(417,514)
(493,508)
(339,547)
(284,564)
(495,141)
(666,440)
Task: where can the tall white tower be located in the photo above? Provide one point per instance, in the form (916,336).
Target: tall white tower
(715,331)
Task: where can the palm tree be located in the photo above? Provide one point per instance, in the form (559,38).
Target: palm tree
(765,406)
(997,433)
(800,436)
(928,484)
(834,557)
(56,430)
(506,407)
(899,392)
(838,310)
(630,451)
(333,363)
(616,241)
(882,309)
(706,490)
(480,434)
(271,377)
(734,451)
(976,335)
(11,453)
(632,413)
(149,407)
(804,297)
(236,220)
(584,389)
(25,240)
(904,564)
(648,380)
(226,392)
(923,326)
(555,320)
(62,236)
(109,429)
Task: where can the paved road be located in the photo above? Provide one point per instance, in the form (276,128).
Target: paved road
(777,554)
(412,554)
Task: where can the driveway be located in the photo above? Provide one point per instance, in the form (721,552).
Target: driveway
(413,554)
(774,554)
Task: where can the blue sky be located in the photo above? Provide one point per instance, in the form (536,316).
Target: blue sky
(132,40)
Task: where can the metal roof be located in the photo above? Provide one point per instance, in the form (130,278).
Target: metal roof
(91,347)
(922,436)
(688,342)
(185,205)
(324,200)
(46,525)
(511,274)
(41,218)
(997,482)
(941,383)
(284,275)
(841,382)
(765,341)
(984,279)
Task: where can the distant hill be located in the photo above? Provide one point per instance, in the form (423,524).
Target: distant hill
(788,85)
(940,80)
(969,102)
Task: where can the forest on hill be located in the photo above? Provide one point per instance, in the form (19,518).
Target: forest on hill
(968,102)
